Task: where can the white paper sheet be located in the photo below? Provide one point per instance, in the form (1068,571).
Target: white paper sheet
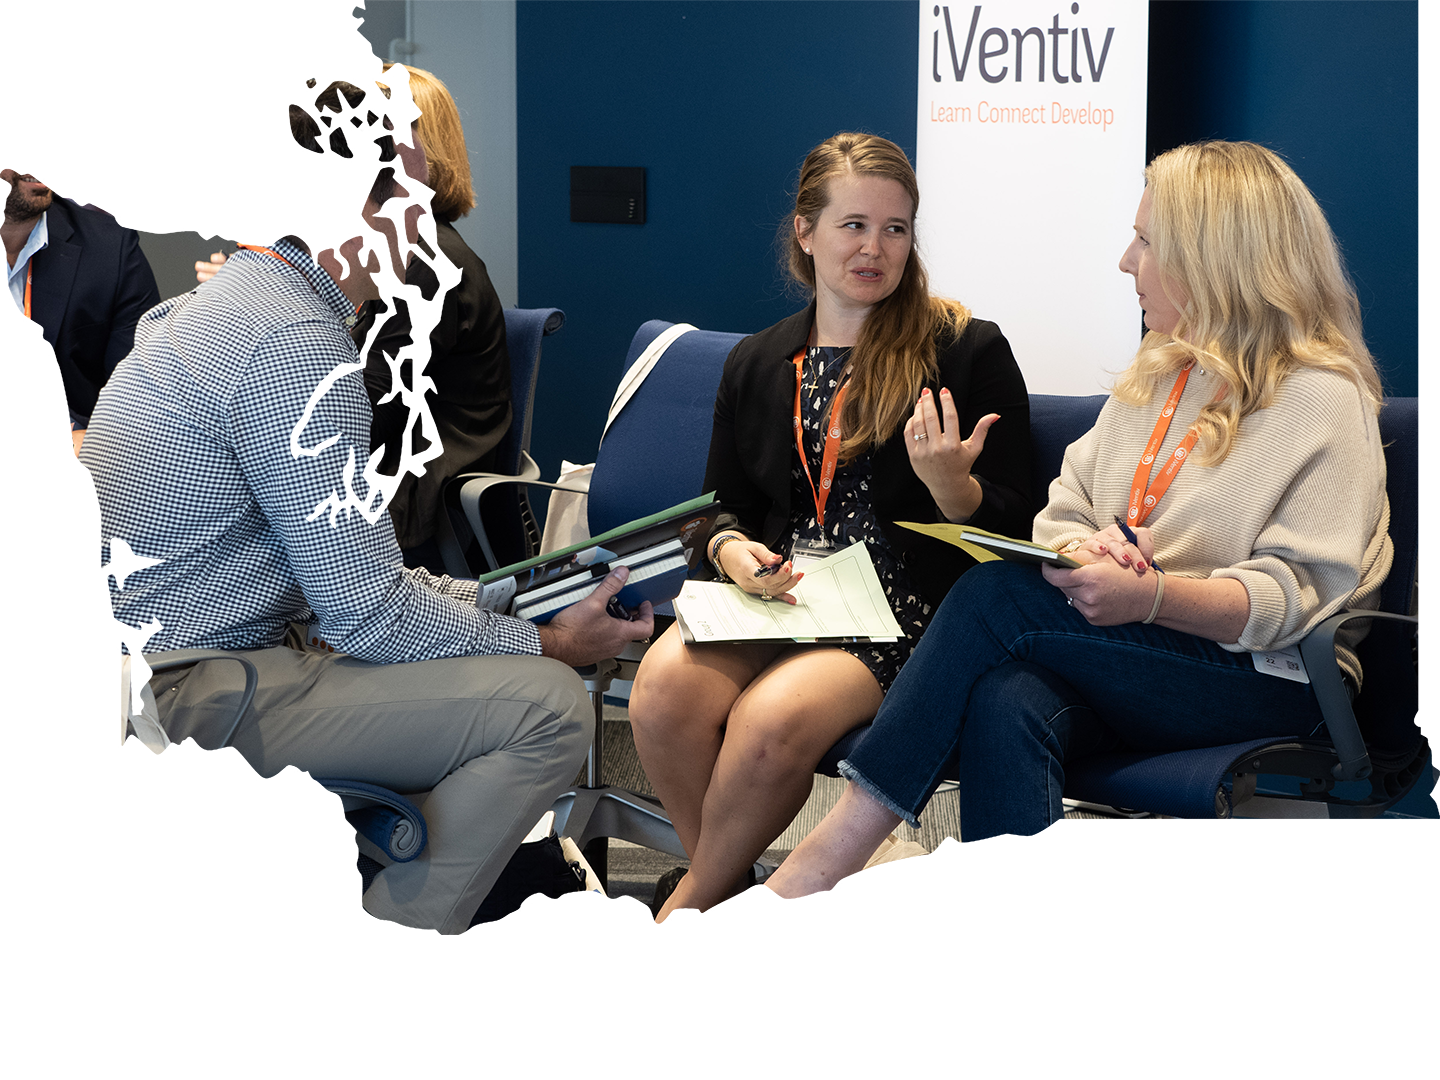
(841,598)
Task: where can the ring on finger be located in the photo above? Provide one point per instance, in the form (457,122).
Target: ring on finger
(765,596)
(922,435)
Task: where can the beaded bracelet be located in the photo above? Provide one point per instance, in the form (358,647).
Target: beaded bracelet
(715,556)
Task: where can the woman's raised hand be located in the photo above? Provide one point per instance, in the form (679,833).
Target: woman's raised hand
(741,558)
(941,458)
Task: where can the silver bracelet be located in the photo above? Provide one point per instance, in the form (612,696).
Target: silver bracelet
(715,556)
(1159,596)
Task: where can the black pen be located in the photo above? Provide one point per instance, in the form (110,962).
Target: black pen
(766,571)
(1130,536)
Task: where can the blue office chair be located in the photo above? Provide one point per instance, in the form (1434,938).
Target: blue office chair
(652,457)
(1375,740)
(511,532)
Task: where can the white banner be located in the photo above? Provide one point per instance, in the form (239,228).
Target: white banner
(1030,150)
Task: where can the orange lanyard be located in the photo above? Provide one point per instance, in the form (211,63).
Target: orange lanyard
(832,441)
(287,262)
(1152,494)
(29,266)
(277,255)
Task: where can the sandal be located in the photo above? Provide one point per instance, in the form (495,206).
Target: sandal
(664,887)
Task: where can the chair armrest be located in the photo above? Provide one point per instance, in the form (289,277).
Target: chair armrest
(1318,652)
(213,762)
(451,550)
(474,487)
(387,819)
(529,471)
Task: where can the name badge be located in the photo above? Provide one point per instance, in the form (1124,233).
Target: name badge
(809,552)
(1282,663)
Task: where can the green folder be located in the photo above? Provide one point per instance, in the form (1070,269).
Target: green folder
(691,522)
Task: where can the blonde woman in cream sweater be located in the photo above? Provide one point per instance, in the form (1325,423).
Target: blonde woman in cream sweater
(1241,446)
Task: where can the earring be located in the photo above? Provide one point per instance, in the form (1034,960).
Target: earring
(807,251)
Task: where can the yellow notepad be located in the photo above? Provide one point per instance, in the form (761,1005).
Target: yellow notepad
(985,546)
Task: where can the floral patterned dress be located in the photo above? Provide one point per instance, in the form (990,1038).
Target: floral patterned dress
(849,517)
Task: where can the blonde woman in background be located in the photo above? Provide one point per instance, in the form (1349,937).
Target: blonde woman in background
(1255,361)
(469,363)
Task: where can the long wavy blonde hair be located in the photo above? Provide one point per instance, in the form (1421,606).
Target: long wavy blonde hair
(896,350)
(444,141)
(1263,289)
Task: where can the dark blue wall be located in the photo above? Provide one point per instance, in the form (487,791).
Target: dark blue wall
(1332,87)
(720,101)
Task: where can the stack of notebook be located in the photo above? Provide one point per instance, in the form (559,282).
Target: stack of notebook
(659,551)
(656,574)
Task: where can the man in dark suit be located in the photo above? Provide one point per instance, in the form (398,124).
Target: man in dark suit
(82,277)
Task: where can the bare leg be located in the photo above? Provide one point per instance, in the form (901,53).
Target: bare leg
(778,729)
(836,848)
(678,708)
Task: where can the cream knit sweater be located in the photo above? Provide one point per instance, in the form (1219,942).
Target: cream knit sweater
(1297,512)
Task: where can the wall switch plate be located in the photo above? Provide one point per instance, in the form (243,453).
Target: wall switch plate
(612,195)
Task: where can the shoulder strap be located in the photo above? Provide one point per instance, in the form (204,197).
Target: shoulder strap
(631,380)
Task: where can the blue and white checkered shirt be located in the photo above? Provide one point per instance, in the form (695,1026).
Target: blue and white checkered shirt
(189,448)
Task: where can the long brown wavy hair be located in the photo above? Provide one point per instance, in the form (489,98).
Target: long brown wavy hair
(896,350)
(1263,288)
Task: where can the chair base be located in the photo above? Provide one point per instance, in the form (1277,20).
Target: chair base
(593,812)
(587,814)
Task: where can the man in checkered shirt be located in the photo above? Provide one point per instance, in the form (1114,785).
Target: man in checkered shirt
(190,450)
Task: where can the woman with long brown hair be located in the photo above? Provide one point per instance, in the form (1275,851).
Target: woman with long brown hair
(893,394)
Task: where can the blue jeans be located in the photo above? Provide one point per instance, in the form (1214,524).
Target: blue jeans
(1011,681)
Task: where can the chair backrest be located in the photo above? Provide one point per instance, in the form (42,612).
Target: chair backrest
(525,328)
(654,454)
(1385,709)
(509,521)
(1056,421)
(1400,433)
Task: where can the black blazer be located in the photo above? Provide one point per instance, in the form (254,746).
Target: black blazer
(752,446)
(470,366)
(88,289)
